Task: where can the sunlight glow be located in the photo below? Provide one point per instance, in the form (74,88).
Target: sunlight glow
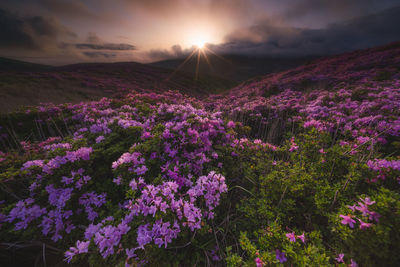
(199,40)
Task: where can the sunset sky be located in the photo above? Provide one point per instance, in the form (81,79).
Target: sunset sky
(65,31)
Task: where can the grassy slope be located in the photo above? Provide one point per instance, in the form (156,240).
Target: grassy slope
(24,83)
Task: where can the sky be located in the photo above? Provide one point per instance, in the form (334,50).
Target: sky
(61,32)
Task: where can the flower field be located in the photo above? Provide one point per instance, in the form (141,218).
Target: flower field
(299,168)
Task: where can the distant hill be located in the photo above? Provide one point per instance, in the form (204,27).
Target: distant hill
(23,83)
(237,68)
(12,65)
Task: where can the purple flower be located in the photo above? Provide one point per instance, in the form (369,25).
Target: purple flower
(141,170)
(82,246)
(280,256)
(99,139)
(117,180)
(130,253)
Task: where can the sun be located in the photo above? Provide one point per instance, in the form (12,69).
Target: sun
(199,40)
(200,43)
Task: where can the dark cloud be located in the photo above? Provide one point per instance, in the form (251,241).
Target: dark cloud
(160,7)
(335,10)
(93,42)
(29,32)
(233,8)
(175,51)
(67,8)
(58,8)
(268,37)
(106,46)
(96,54)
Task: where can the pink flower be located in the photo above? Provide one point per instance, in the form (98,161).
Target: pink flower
(347,220)
(339,258)
(291,237)
(259,262)
(352,207)
(302,237)
(364,225)
(230,124)
(367,201)
(353,263)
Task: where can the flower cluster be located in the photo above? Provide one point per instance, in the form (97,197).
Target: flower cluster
(363,207)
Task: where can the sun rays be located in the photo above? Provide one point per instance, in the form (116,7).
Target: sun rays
(198,53)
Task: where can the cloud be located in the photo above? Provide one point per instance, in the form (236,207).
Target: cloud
(106,46)
(67,8)
(35,32)
(93,42)
(95,54)
(57,8)
(269,37)
(175,51)
(338,9)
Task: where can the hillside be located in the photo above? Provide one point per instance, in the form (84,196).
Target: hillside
(341,91)
(24,83)
(237,68)
(374,64)
(297,168)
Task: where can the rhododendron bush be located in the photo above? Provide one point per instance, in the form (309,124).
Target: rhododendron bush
(257,177)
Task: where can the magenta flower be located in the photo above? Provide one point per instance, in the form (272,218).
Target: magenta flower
(259,262)
(367,201)
(291,237)
(353,263)
(230,124)
(374,216)
(347,220)
(363,208)
(339,258)
(364,225)
(353,208)
(302,237)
